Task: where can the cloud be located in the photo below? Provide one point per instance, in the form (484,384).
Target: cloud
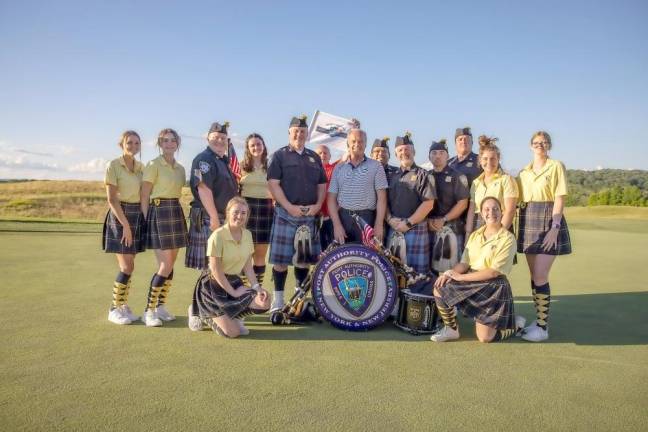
(29,152)
(93,166)
(21,162)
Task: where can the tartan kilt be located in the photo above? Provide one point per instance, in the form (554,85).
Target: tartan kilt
(417,247)
(165,225)
(113,230)
(282,237)
(488,302)
(534,223)
(260,220)
(213,301)
(199,232)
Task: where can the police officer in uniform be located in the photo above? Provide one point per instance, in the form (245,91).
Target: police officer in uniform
(453,194)
(212,186)
(297,182)
(411,197)
(380,152)
(466,161)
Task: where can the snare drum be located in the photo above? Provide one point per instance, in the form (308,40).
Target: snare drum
(417,313)
(354,287)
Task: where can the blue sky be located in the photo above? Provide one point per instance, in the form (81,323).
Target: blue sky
(76,74)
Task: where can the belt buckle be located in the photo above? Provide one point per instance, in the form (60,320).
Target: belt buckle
(156,201)
(523,205)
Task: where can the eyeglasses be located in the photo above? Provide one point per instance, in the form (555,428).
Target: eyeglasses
(540,143)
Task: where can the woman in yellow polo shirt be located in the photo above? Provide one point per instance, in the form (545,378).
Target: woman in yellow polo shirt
(492,182)
(221,298)
(254,188)
(166,229)
(543,232)
(478,284)
(123,230)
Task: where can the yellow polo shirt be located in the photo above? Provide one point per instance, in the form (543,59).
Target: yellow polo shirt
(544,186)
(254,184)
(167,180)
(501,186)
(128,182)
(234,254)
(496,253)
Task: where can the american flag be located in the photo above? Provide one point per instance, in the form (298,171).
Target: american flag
(233,162)
(367,231)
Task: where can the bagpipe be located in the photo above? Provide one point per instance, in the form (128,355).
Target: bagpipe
(301,309)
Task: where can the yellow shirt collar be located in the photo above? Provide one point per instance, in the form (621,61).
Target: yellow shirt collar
(550,163)
(137,166)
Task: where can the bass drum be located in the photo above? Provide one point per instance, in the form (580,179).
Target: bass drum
(354,287)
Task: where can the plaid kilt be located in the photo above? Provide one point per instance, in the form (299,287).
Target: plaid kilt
(213,301)
(199,232)
(165,225)
(113,230)
(260,221)
(488,302)
(282,236)
(533,224)
(417,241)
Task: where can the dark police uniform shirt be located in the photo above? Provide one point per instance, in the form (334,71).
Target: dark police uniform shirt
(408,188)
(468,167)
(299,174)
(451,187)
(214,172)
(389,170)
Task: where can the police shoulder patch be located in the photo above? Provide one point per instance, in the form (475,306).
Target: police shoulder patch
(203,166)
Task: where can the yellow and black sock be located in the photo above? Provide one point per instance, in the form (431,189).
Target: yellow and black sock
(164,292)
(300,275)
(245,279)
(259,271)
(503,334)
(447,313)
(279,279)
(542,299)
(120,290)
(157,283)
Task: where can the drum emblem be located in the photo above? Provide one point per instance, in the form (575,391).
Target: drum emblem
(353,285)
(414,313)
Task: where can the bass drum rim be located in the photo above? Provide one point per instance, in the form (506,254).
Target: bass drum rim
(341,325)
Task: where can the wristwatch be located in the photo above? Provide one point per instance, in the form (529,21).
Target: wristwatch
(445,219)
(408,223)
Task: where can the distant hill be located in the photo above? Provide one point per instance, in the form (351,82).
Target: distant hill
(86,200)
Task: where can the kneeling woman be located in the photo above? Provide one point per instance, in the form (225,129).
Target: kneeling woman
(478,284)
(220,295)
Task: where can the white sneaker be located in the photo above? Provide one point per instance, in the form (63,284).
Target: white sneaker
(151,319)
(164,314)
(117,316)
(520,321)
(129,313)
(195,322)
(534,333)
(445,334)
(243,331)
(277,301)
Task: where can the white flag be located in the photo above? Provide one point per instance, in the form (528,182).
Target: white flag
(330,130)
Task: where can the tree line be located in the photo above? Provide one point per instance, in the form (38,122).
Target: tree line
(608,187)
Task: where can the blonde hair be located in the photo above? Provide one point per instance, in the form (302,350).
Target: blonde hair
(166,131)
(544,135)
(124,137)
(487,143)
(489,198)
(234,201)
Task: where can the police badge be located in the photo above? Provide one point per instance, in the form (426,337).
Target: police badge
(203,166)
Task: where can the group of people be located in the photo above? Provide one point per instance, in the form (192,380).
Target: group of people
(456,219)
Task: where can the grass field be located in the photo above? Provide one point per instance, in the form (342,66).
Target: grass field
(65,367)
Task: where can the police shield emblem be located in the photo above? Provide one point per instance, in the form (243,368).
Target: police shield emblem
(353,285)
(203,166)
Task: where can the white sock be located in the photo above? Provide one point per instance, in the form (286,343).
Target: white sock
(278,300)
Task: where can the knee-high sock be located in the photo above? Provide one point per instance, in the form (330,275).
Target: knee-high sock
(503,334)
(300,275)
(279,279)
(120,290)
(164,292)
(447,313)
(542,299)
(157,283)
(259,271)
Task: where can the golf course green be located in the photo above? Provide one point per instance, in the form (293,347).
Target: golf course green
(64,367)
